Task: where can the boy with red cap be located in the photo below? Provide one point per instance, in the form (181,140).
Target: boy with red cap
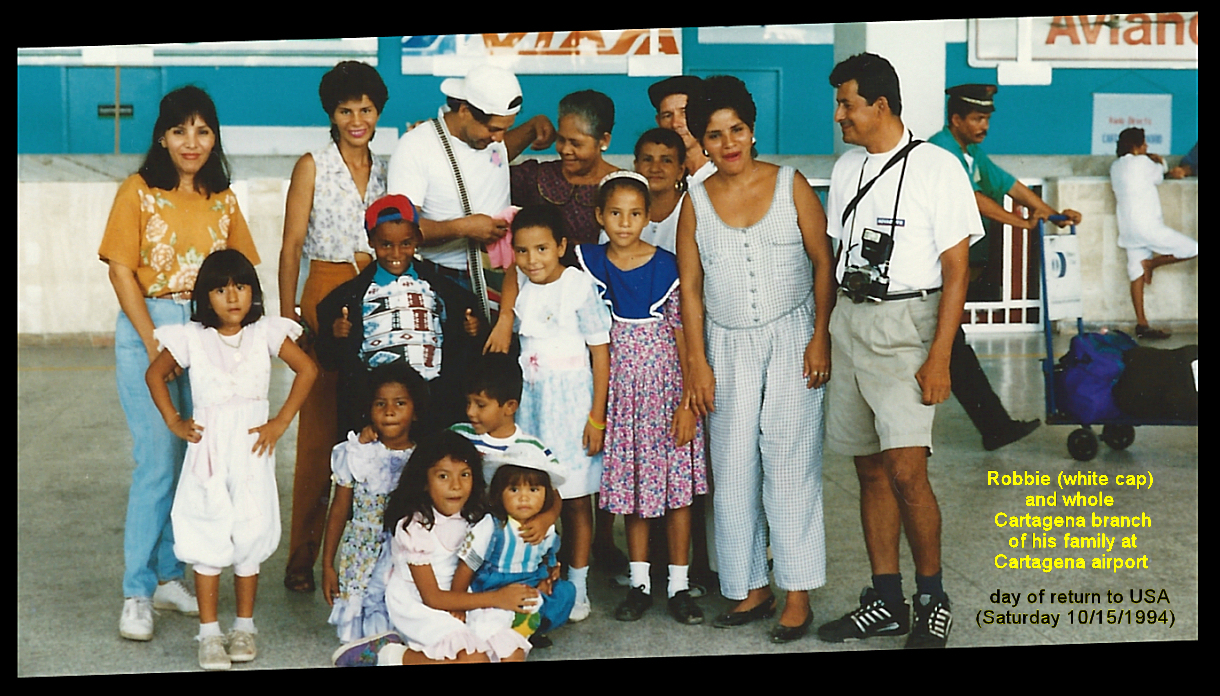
(400,308)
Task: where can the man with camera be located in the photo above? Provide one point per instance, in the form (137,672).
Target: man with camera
(904,214)
(970,108)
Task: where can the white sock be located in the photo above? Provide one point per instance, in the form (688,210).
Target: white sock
(391,655)
(580,578)
(247,625)
(640,575)
(678,579)
(207,630)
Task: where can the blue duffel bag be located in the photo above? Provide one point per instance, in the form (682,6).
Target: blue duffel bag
(1087,375)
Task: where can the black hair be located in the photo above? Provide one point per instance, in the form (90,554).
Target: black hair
(542,215)
(593,107)
(497,375)
(874,77)
(478,114)
(351,80)
(218,270)
(623,182)
(178,107)
(1128,140)
(662,136)
(719,92)
(511,475)
(400,372)
(411,497)
(962,109)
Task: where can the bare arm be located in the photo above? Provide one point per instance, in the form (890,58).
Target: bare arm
(594,437)
(307,371)
(156,376)
(481,228)
(296,225)
(812,220)
(336,522)
(510,597)
(1039,210)
(502,333)
(533,530)
(131,301)
(933,376)
(538,133)
(700,382)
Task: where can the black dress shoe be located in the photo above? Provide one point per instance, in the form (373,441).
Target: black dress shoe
(787,634)
(740,618)
(684,610)
(634,606)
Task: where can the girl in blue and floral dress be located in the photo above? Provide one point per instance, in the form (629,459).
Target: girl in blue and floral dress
(654,462)
(365,474)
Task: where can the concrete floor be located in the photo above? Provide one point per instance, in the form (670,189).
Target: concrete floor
(73,471)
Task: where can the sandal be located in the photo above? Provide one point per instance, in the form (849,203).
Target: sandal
(299,581)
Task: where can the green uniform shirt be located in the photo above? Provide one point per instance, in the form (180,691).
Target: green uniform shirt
(985,176)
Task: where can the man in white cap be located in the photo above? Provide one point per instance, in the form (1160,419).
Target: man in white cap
(476,123)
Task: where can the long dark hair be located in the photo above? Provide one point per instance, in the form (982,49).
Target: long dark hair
(218,270)
(177,108)
(510,475)
(411,497)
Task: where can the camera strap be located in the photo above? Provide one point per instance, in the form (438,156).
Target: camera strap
(899,156)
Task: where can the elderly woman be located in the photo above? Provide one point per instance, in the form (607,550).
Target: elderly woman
(324,220)
(585,121)
(165,220)
(757,290)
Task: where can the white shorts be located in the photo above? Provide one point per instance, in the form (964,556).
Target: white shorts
(1169,242)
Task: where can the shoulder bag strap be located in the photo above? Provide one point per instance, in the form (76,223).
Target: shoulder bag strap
(474,259)
(898,157)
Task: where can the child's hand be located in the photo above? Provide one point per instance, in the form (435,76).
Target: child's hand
(330,584)
(268,434)
(533,531)
(501,337)
(471,323)
(683,430)
(459,615)
(342,327)
(515,598)
(545,587)
(367,435)
(187,429)
(593,438)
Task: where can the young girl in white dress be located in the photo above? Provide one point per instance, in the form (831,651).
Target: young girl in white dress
(563,323)
(365,473)
(226,510)
(439,499)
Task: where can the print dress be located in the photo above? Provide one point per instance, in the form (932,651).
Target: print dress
(645,473)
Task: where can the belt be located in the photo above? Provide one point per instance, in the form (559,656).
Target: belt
(909,295)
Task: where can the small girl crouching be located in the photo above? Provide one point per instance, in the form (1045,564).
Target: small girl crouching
(365,474)
(499,556)
(439,498)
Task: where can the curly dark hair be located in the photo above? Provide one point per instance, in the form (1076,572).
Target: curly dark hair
(177,108)
(411,497)
(662,136)
(349,81)
(719,92)
(542,215)
(874,77)
(400,372)
(218,270)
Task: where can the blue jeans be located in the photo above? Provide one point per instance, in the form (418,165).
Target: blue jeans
(148,538)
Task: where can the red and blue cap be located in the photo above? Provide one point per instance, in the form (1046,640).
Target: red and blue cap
(388,209)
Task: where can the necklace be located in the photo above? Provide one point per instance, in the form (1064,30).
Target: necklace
(241,334)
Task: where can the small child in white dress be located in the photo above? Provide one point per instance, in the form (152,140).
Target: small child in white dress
(226,509)
(562,323)
(365,473)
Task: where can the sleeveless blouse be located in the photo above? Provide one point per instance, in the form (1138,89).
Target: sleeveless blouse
(336,222)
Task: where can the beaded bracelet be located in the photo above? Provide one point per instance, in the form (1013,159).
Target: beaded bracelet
(595,424)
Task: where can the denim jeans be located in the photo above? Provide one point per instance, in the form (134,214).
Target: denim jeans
(148,538)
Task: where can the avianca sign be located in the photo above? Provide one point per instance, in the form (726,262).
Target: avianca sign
(631,51)
(1136,40)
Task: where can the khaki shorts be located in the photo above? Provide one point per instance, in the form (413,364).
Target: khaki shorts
(874,402)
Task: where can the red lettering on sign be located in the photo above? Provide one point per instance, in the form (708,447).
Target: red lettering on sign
(1142,28)
(509,40)
(1179,27)
(1194,29)
(576,38)
(544,39)
(1063,26)
(1092,29)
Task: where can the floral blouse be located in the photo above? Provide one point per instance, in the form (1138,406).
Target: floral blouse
(165,235)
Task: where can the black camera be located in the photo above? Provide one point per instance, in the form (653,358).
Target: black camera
(871,281)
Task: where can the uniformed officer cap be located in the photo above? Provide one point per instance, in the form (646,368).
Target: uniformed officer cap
(977,97)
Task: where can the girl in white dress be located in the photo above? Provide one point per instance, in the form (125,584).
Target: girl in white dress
(226,509)
(439,499)
(563,323)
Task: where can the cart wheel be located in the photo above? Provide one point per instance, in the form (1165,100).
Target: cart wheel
(1118,437)
(1082,444)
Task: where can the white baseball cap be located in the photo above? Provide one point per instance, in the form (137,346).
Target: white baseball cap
(489,89)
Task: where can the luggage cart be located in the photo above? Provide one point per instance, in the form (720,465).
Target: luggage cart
(1082,443)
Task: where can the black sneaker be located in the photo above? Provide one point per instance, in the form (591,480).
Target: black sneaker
(540,641)
(873,618)
(932,622)
(634,606)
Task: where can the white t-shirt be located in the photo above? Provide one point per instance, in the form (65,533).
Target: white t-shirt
(936,210)
(420,171)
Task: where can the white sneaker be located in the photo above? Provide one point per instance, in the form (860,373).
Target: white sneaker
(580,611)
(241,646)
(177,596)
(212,655)
(136,623)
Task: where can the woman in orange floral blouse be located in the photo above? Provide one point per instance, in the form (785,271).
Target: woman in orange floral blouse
(165,220)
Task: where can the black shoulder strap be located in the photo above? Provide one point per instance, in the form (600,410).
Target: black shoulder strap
(474,258)
(898,157)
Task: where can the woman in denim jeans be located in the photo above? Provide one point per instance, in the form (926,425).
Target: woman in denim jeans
(165,220)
